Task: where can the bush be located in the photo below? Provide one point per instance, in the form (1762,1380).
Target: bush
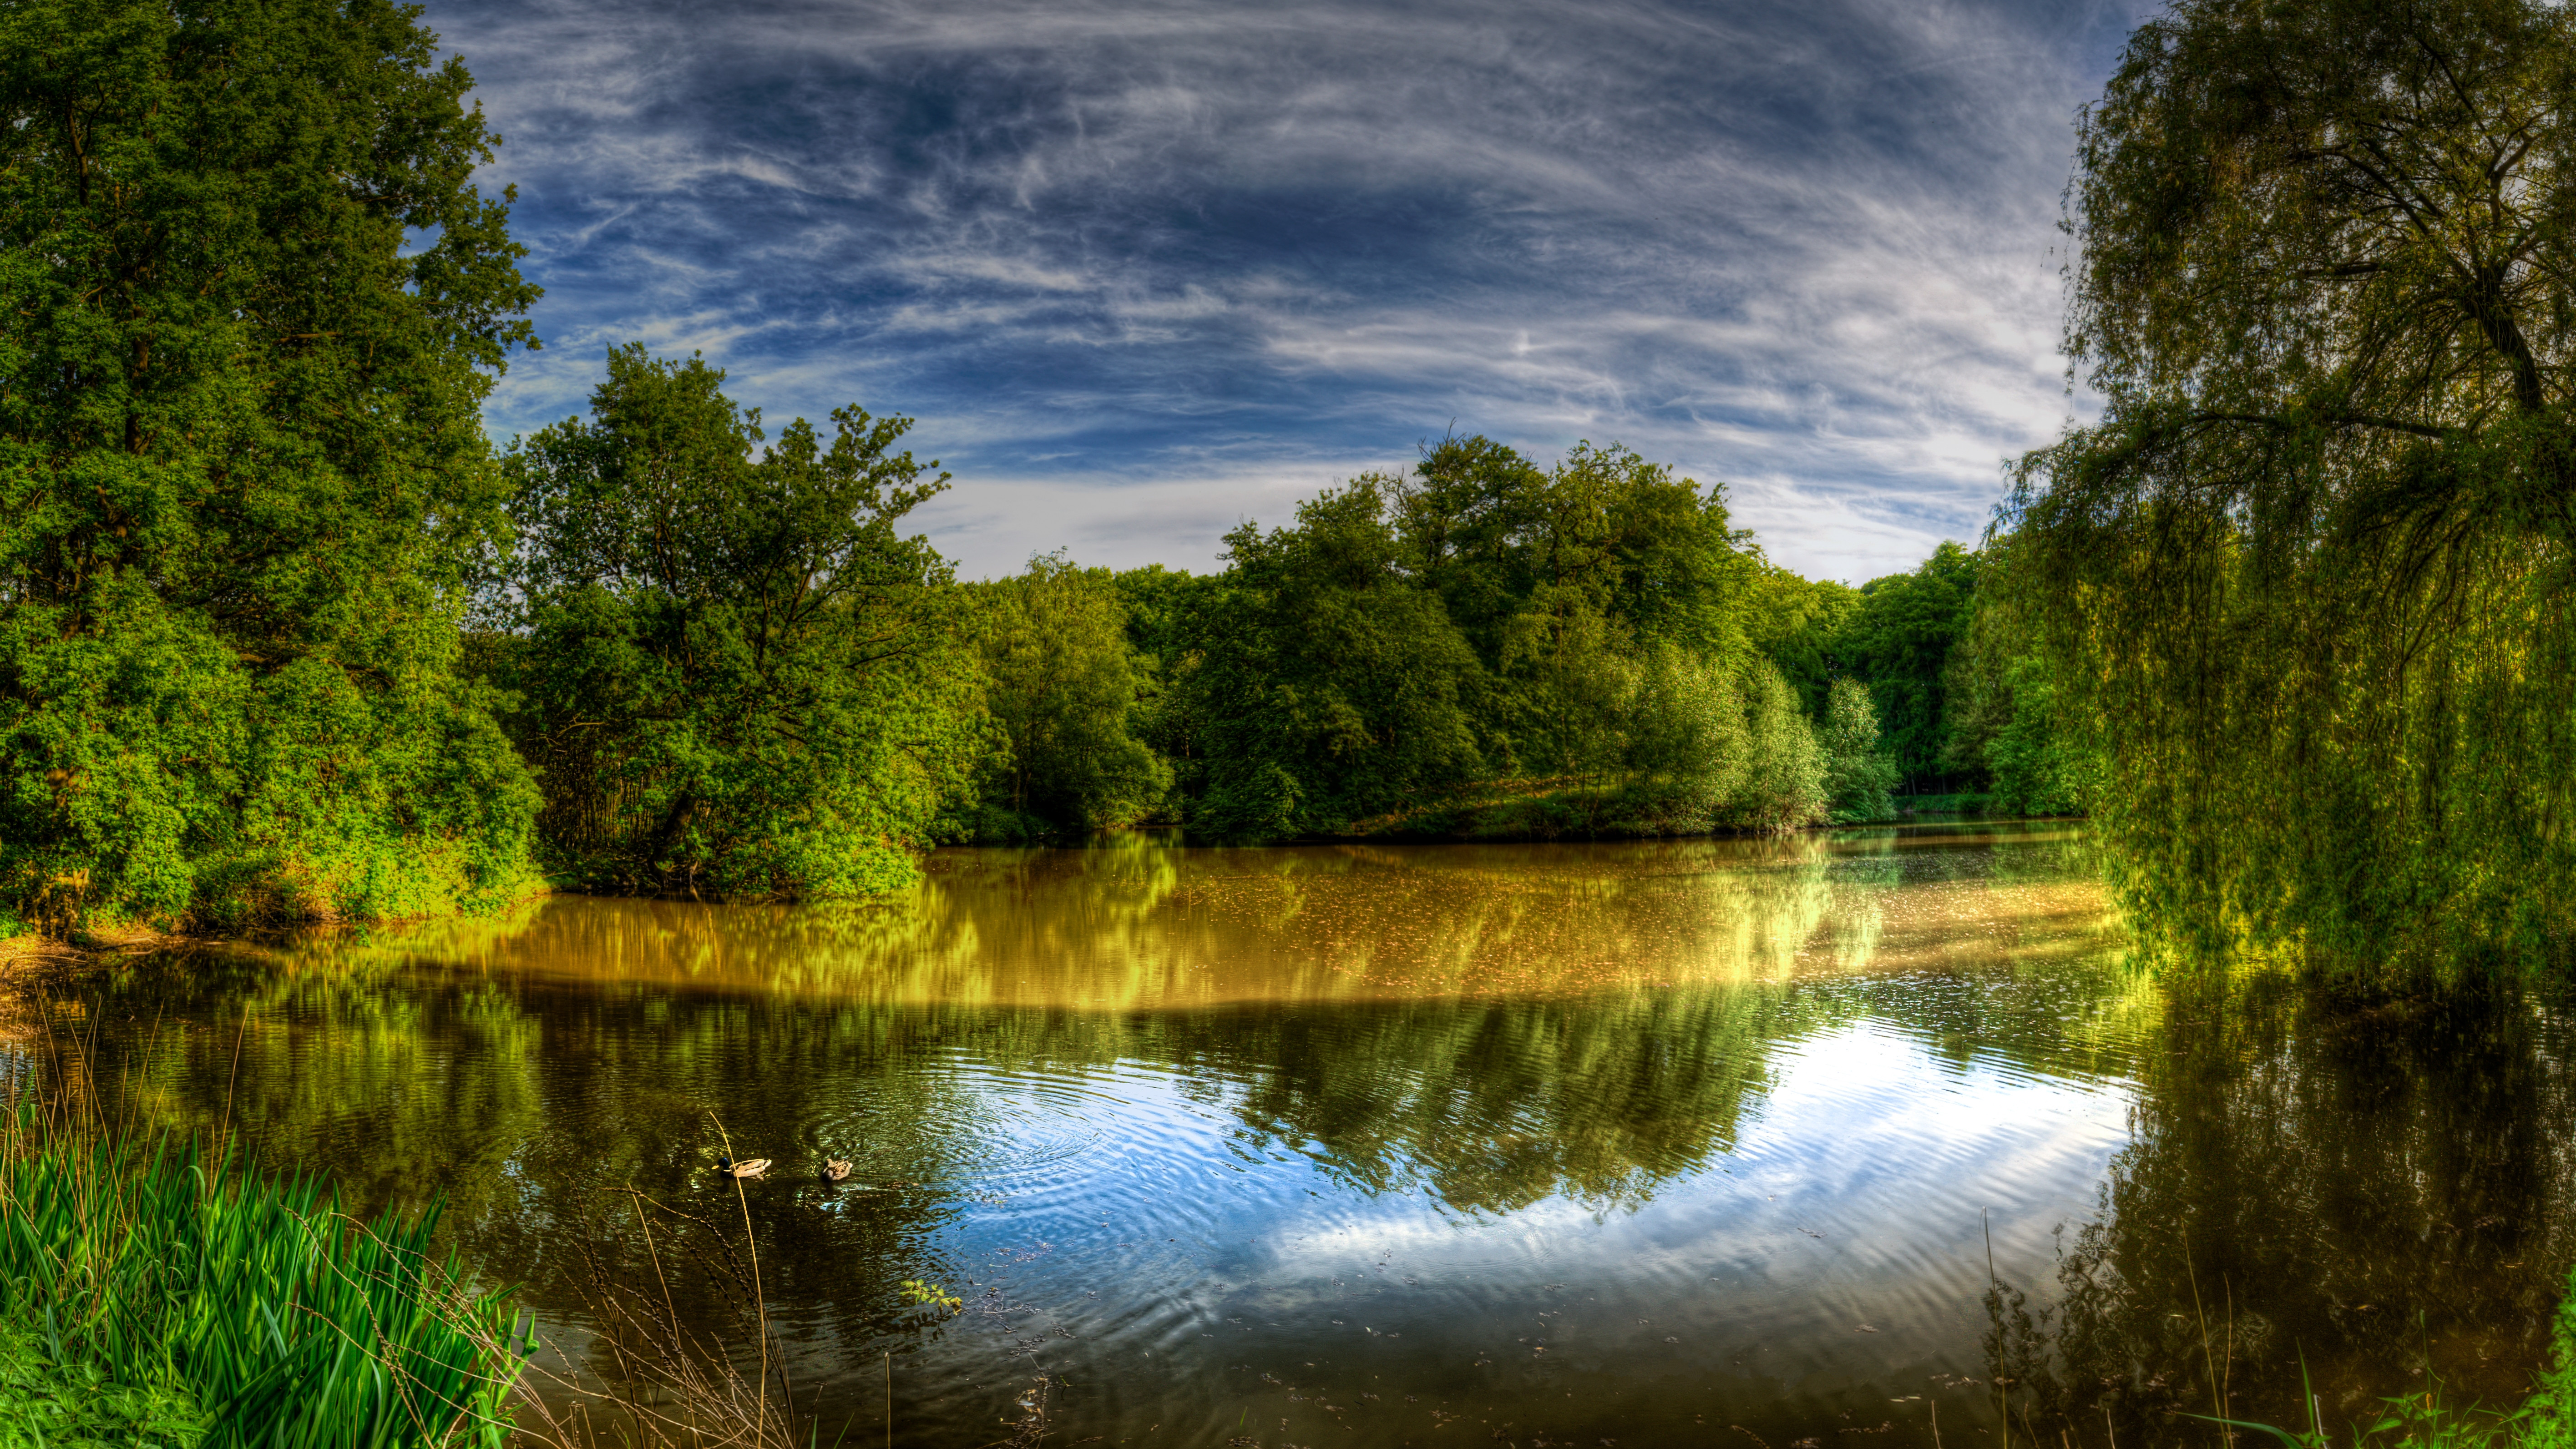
(241,466)
(1858,773)
(736,677)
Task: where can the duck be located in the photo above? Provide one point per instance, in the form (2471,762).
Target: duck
(727,1167)
(836,1170)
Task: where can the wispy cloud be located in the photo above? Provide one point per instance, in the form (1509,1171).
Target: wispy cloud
(1142,269)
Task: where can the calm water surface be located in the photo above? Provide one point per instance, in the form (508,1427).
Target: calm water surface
(1681,1142)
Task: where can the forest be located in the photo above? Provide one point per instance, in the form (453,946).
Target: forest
(670,652)
(284,635)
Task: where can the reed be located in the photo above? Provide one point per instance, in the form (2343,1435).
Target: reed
(250,1298)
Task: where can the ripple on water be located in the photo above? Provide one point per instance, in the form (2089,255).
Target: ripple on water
(1595,1142)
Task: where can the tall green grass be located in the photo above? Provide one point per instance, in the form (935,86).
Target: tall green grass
(251,1298)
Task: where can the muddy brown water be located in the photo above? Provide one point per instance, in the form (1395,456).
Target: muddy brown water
(1799,1143)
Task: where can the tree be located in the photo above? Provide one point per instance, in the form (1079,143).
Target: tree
(1329,687)
(1065,686)
(1564,580)
(241,464)
(1858,771)
(2306,584)
(1897,638)
(1796,623)
(1784,776)
(738,677)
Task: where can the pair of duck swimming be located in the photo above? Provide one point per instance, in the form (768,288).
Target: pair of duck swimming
(835,1170)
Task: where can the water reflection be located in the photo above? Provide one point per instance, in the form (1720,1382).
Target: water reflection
(1145,926)
(1631,1142)
(2368,1190)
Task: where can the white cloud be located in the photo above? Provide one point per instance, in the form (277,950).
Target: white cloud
(1128,261)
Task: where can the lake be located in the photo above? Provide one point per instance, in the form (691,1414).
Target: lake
(1834,1141)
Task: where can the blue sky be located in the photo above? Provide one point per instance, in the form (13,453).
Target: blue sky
(1145,270)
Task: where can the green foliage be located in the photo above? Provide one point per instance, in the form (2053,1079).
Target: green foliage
(1897,639)
(1327,687)
(1066,689)
(2550,1415)
(243,1306)
(1858,772)
(2037,768)
(50,1405)
(1163,608)
(2305,587)
(2005,708)
(1796,624)
(240,465)
(1785,781)
(920,1293)
(736,676)
(1564,580)
(1683,736)
(1586,629)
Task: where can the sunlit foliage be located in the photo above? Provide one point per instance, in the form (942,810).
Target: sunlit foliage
(1065,688)
(1858,770)
(1585,630)
(735,674)
(240,461)
(2305,586)
(1329,686)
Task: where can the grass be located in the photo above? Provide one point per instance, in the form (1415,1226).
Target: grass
(152,1294)
(77,1405)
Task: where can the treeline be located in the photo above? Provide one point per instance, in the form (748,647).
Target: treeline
(283,636)
(734,675)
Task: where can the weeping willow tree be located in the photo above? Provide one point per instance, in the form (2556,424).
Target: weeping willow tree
(2306,582)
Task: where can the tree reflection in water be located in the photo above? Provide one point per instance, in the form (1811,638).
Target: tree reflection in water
(2344,1192)
(1047,1064)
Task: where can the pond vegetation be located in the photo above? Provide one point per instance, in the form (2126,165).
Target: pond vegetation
(286,640)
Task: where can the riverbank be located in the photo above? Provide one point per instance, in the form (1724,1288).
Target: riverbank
(1519,811)
(148,1296)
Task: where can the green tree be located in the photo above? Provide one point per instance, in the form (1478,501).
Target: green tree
(1859,772)
(737,676)
(1328,685)
(2306,584)
(1785,773)
(250,303)
(1065,685)
(1796,623)
(1686,739)
(1898,639)
(1564,580)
